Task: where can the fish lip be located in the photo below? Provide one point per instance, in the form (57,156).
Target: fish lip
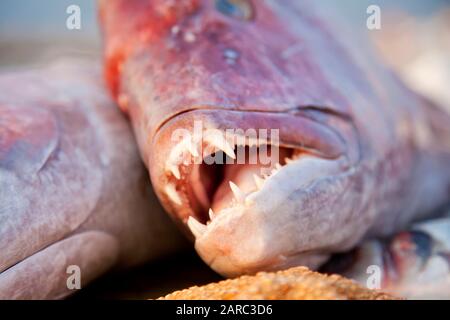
(305,114)
(299,110)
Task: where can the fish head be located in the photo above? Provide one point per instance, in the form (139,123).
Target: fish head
(259,199)
(201,82)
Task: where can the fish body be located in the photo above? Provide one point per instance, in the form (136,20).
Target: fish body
(357,153)
(414,264)
(75,201)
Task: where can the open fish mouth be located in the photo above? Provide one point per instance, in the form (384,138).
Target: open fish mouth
(212,170)
(358,153)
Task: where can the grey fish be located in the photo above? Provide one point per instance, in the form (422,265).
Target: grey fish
(73,191)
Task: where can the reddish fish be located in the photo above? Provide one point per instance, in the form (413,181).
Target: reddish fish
(73,191)
(357,155)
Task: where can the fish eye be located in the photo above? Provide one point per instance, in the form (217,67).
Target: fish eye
(238,9)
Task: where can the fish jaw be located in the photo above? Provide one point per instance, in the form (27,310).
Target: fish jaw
(281,230)
(289,212)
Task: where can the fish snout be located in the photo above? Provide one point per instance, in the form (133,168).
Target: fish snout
(281,177)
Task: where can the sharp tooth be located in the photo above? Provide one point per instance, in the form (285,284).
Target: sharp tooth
(228,149)
(278,166)
(258,181)
(212,215)
(175,171)
(219,141)
(288,160)
(173,194)
(238,194)
(197,228)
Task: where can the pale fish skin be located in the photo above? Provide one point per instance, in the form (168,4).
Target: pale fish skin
(74,195)
(413,264)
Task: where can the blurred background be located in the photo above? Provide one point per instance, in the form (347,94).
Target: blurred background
(33,30)
(414,39)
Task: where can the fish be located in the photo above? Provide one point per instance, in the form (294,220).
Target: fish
(75,198)
(414,263)
(345,151)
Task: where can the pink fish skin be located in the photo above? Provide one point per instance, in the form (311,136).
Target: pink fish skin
(365,156)
(73,190)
